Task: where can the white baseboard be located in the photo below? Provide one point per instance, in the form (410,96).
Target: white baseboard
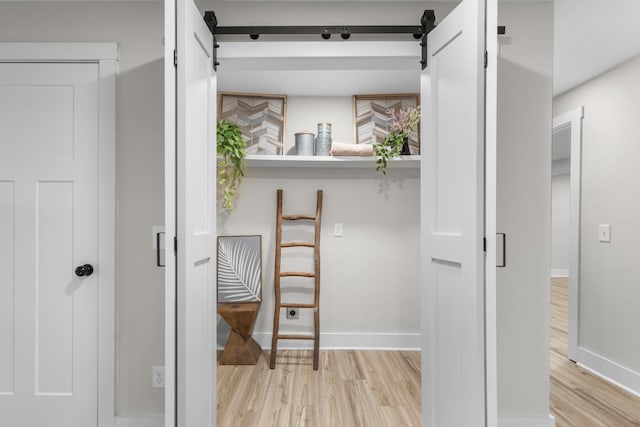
(147,421)
(346,341)
(609,370)
(548,421)
(559,273)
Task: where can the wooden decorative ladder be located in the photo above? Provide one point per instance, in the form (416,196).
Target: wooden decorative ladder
(315,275)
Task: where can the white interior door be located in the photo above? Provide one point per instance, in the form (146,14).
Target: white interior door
(48,226)
(196,219)
(452,185)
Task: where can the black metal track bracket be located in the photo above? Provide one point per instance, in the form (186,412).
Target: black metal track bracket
(212,22)
(427,23)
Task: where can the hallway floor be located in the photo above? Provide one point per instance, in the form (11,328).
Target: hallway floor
(382,388)
(578,397)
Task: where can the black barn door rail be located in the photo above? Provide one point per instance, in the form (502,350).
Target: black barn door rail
(427,23)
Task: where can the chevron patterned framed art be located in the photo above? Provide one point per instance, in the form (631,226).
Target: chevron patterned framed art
(261,118)
(371,121)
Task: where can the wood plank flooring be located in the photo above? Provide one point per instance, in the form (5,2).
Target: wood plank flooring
(579,398)
(382,388)
(350,388)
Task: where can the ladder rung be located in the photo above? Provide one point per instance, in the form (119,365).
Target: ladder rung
(296,274)
(297,217)
(297,305)
(294,244)
(296,337)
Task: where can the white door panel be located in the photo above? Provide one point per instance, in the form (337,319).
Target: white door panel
(196,219)
(49,212)
(453,220)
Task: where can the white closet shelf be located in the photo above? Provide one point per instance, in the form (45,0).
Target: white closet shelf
(275,161)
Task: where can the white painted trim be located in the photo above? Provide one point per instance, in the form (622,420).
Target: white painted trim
(549,421)
(490,214)
(106,56)
(573,119)
(317,49)
(58,52)
(561,167)
(170,343)
(347,341)
(609,370)
(560,273)
(147,421)
(108,70)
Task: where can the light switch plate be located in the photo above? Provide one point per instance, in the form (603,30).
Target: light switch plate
(605,233)
(337,229)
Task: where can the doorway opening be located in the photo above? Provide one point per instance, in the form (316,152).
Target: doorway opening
(567,155)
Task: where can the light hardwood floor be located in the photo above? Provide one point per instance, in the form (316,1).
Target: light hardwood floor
(579,398)
(351,388)
(382,388)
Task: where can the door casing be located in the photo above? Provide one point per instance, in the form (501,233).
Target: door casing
(573,120)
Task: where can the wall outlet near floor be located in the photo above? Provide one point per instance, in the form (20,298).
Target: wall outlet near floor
(293,314)
(157,377)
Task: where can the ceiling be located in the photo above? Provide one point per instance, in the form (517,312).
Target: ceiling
(591,37)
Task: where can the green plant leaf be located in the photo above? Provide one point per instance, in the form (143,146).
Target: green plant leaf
(230,145)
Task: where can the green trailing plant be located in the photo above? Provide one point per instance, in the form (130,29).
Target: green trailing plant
(403,122)
(231,146)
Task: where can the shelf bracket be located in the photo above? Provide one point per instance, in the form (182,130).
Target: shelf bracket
(427,23)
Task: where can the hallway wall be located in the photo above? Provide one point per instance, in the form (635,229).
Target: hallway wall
(137,27)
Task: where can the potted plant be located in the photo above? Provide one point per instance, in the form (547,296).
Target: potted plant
(231,146)
(403,122)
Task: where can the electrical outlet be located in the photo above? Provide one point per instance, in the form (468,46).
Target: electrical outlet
(292,314)
(157,377)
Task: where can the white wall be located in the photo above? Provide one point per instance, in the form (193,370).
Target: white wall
(560,198)
(304,113)
(524,208)
(369,277)
(138,29)
(610,272)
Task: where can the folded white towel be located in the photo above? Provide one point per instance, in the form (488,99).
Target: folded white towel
(342,149)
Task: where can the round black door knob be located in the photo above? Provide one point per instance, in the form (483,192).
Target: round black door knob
(84,270)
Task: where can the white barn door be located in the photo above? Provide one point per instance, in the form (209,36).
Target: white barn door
(452,186)
(195,221)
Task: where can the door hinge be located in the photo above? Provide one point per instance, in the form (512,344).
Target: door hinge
(175,244)
(484,244)
(486,59)
(175,58)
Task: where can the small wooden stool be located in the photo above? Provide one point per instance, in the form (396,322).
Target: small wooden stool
(240,349)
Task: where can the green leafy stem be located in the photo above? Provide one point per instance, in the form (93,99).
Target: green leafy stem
(231,169)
